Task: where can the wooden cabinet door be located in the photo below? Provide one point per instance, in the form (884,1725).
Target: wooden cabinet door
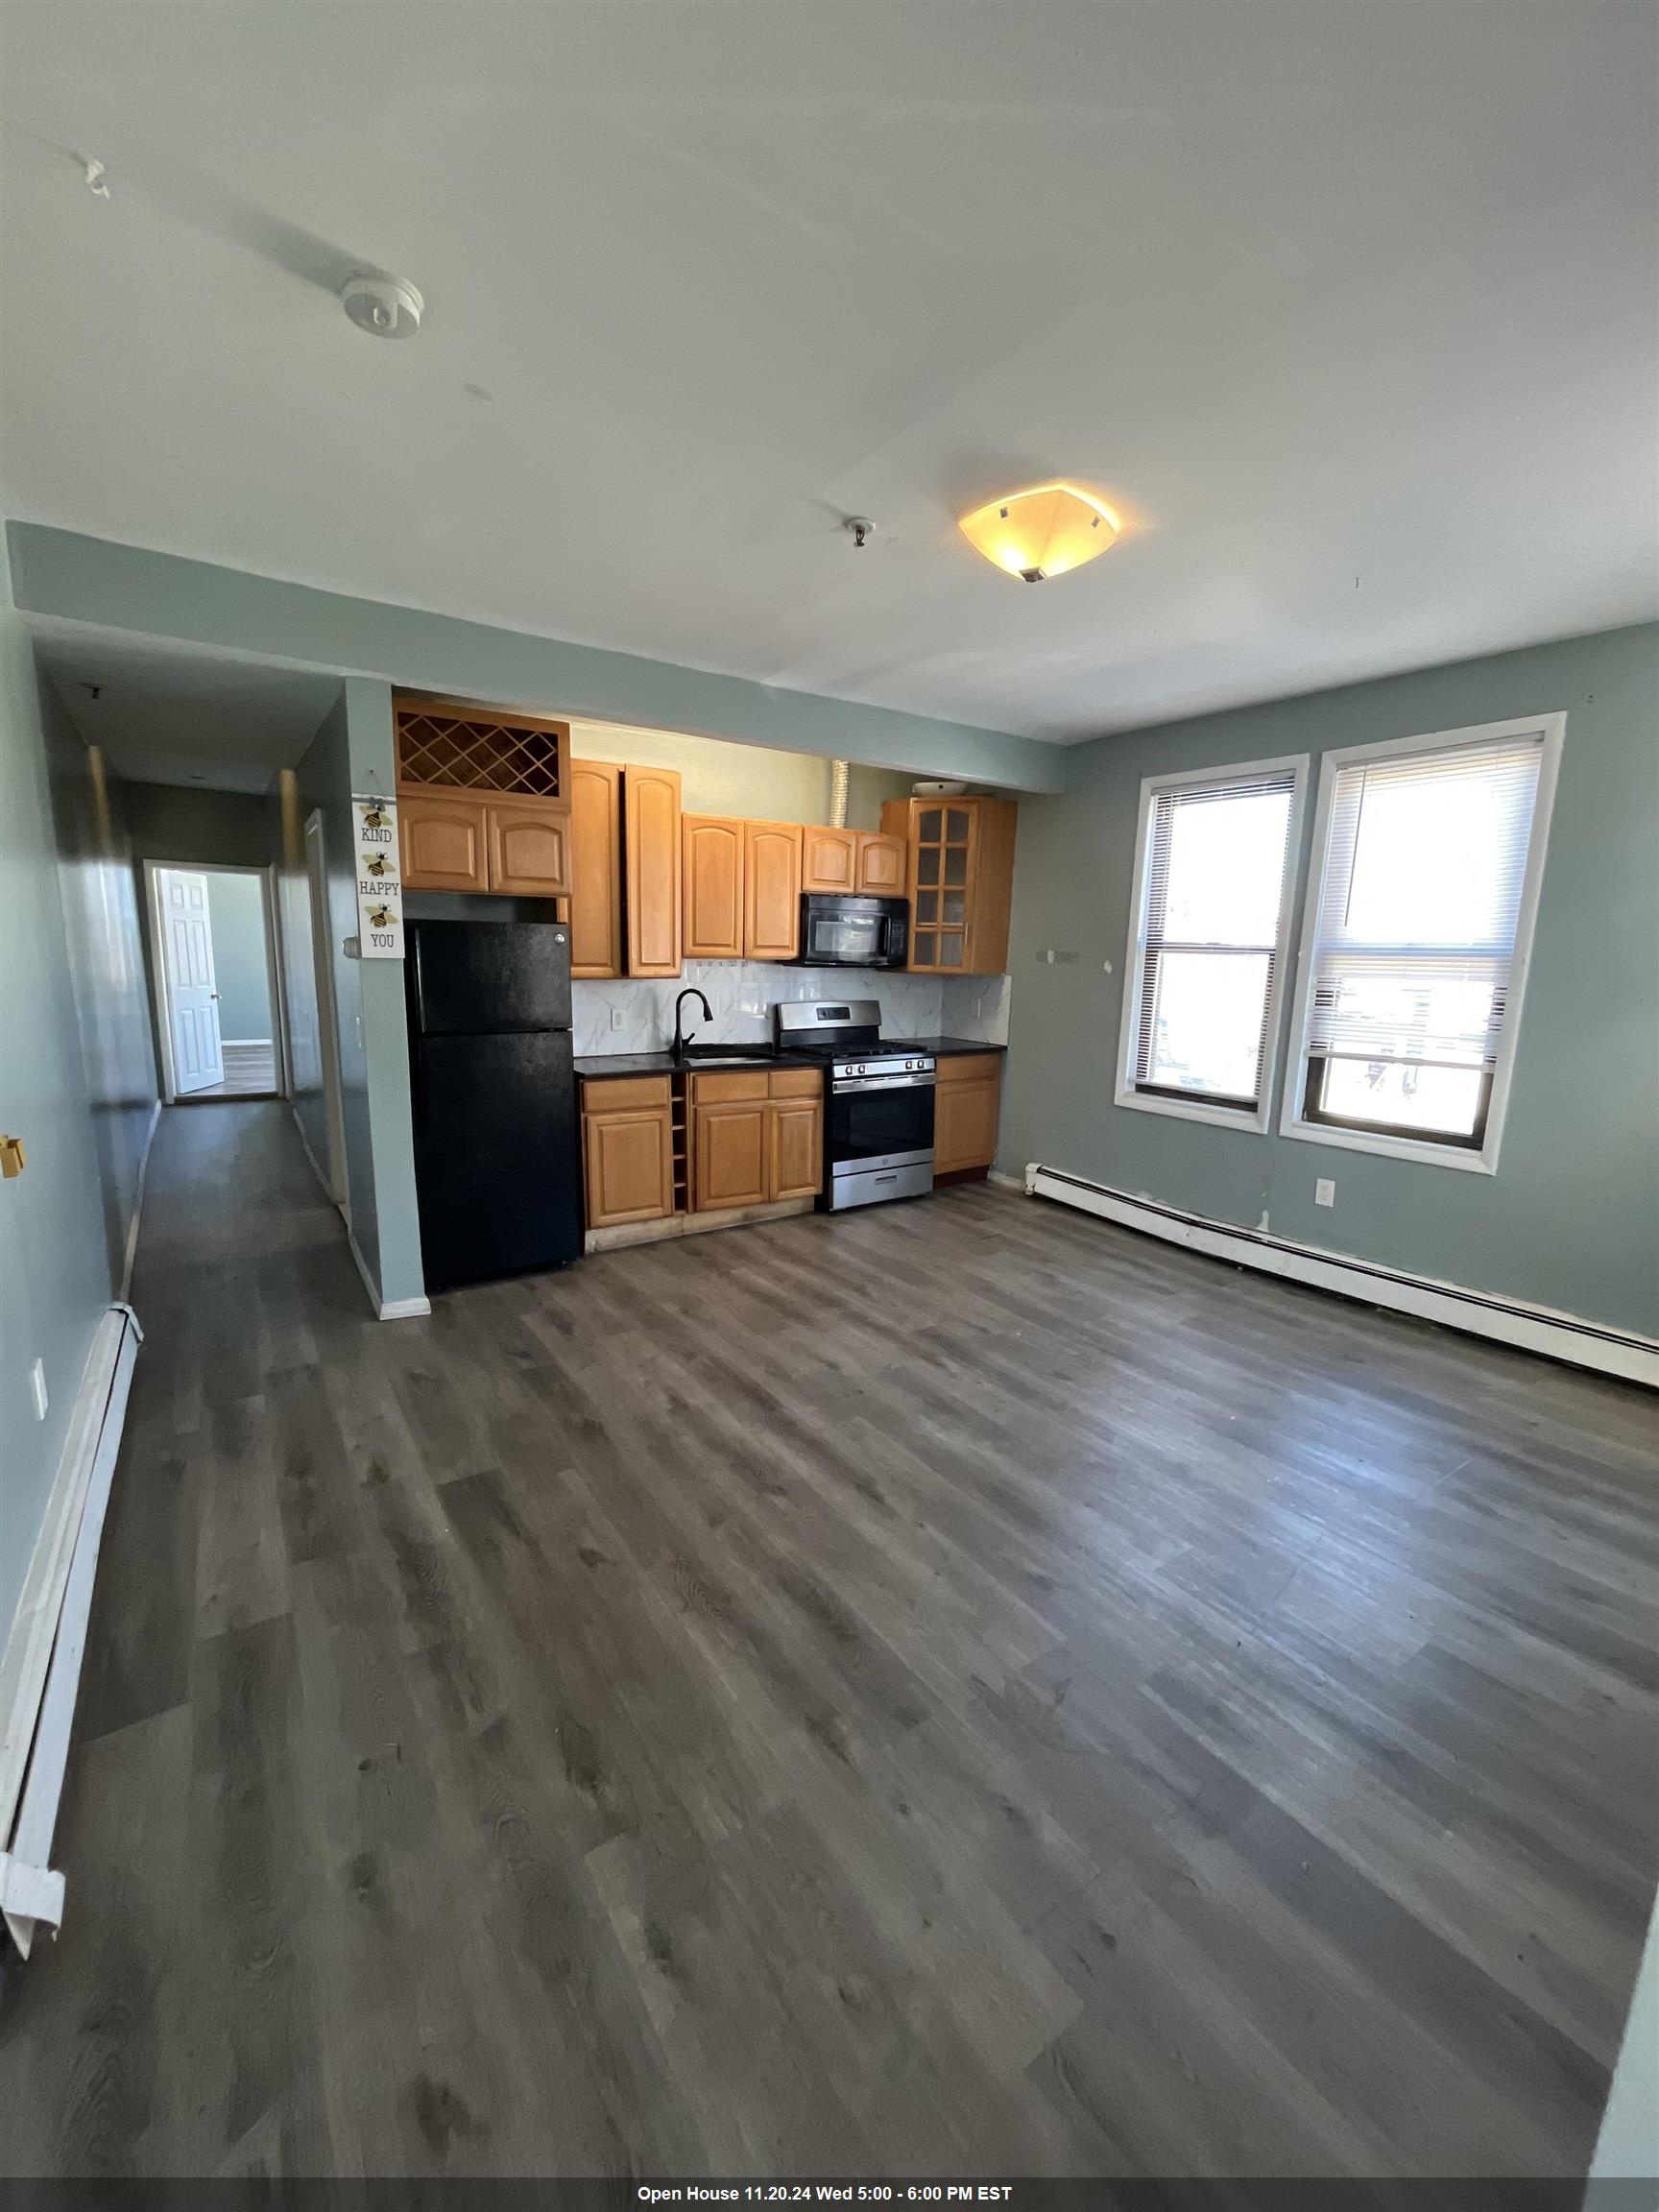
(731,1155)
(442,842)
(713,877)
(830,859)
(651,868)
(630,1161)
(881,870)
(771,890)
(796,1166)
(965,1123)
(529,846)
(595,868)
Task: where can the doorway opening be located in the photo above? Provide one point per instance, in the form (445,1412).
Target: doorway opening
(218,1013)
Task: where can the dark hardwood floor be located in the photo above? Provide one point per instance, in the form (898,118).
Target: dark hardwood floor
(957,1686)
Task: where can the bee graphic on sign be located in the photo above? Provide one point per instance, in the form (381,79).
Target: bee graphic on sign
(375,866)
(380,918)
(374,818)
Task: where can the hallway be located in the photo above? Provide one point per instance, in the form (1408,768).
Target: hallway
(968,1709)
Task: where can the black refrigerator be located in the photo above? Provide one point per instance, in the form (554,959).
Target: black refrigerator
(496,1163)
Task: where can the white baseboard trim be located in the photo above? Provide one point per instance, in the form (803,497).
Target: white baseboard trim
(1528,1328)
(130,1259)
(40,1669)
(386,1309)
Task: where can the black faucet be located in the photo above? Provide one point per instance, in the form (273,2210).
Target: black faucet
(681,1040)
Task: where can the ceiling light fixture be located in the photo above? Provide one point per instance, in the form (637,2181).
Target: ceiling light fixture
(1042,532)
(384,306)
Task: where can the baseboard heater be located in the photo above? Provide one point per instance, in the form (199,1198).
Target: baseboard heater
(41,1670)
(1528,1328)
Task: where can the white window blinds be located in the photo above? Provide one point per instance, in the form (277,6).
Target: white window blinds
(1207,957)
(1420,900)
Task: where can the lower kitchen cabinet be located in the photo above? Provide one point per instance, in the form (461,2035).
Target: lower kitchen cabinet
(757,1136)
(729,1146)
(965,1113)
(628,1149)
(796,1130)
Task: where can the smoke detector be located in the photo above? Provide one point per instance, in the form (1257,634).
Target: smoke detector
(384,306)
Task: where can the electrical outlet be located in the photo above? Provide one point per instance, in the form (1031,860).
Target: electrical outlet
(618,1018)
(1323,1192)
(38,1384)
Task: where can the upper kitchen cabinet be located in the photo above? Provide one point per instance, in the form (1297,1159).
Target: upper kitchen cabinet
(829,859)
(772,890)
(651,869)
(484,797)
(442,842)
(595,868)
(713,862)
(961,869)
(883,865)
(528,843)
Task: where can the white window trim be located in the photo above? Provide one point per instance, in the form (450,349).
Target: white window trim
(1197,1109)
(1553,728)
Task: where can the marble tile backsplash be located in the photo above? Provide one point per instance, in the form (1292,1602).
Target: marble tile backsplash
(742,994)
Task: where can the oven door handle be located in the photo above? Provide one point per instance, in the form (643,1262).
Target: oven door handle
(881,1083)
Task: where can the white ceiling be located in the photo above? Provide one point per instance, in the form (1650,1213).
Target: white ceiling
(1350,309)
(171,713)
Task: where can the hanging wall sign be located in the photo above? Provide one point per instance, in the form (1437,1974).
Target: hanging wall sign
(379,890)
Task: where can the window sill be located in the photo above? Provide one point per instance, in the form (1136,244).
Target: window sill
(1425,1155)
(1254,1122)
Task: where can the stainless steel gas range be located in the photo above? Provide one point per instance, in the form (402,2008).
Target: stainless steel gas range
(877,1101)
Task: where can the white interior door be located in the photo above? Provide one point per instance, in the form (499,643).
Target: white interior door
(192,1001)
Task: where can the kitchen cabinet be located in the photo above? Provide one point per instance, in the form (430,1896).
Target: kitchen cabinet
(628,1150)
(483,798)
(713,877)
(829,859)
(440,841)
(771,890)
(595,914)
(757,1136)
(456,842)
(965,1113)
(795,1132)
(883,869)
(652,870)
(528,847)
(961,871)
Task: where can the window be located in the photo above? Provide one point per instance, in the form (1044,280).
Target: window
(1207,947)
(1415,942)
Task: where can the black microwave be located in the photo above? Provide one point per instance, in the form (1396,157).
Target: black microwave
(837,931)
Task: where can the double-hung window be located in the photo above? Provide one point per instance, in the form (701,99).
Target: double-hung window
(1427,858)
(1206,945)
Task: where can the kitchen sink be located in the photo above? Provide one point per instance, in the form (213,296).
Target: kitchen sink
(714,1055)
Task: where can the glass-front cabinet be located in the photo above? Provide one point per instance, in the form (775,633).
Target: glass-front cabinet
(961,853)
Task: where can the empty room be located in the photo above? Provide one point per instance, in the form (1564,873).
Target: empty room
(830,1101)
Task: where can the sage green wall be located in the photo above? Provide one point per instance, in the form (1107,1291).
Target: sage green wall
(59,572)
(77,1082)
(1570,1218)
(353,751)
(237,909)
(197,829)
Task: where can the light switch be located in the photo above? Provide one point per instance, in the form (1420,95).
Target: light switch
(1324,1191)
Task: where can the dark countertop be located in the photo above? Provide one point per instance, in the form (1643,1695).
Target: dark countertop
(666,1064)
(952,1047)
(603,1064)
